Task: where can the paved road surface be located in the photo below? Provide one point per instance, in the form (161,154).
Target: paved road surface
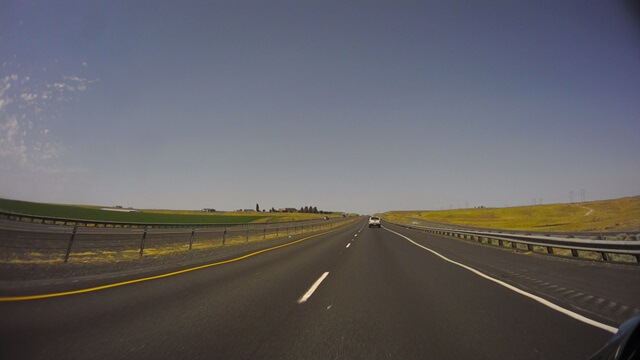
(381,297)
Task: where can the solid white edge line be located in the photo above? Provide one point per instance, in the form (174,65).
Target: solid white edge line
(542,301)
(313,288)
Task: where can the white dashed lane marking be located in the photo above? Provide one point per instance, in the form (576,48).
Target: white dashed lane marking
(312,289)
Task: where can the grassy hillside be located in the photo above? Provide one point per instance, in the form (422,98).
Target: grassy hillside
(262,217)
(88,212)
(606,215)
(83,212)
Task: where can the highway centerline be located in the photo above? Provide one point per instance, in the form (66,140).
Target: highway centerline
(160,276)
(536,298)
(312,289)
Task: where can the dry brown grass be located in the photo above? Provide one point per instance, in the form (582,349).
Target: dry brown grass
(202,244)
(605,215)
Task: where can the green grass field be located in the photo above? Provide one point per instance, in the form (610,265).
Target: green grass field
(95,213)
(606,215)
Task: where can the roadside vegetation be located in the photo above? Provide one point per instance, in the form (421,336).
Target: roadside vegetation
(606,215)
(129,251)
(97,213)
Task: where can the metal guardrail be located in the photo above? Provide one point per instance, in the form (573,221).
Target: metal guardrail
(47,243)
(119,224)
(602,247)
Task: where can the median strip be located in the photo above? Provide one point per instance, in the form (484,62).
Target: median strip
(134,281)
(536,298)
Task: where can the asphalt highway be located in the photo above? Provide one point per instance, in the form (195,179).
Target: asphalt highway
(355,293)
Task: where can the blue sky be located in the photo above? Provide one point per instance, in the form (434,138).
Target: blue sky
(359,106)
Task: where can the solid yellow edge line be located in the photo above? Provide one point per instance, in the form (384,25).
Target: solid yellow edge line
(108,286)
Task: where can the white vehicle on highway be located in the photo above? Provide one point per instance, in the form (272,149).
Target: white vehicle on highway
(374,221)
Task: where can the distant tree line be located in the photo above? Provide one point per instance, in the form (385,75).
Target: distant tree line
(309,209)
(303,209)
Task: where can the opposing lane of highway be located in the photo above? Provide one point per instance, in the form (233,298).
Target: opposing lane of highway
(381,297)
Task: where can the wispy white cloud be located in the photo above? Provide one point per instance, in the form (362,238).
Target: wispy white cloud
(26,108)
(78,83)
(69,84)
(28,96)
(4,86)
(4,102)
(12,143)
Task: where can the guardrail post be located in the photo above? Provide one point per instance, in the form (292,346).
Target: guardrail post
(73,235)
(246,236)
(144,238)
(224,236)
(193,232)
(605,256)
(574,253)
(264,233)
(549,250)
(530,247)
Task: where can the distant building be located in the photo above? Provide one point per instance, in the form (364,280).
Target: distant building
(209,210)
